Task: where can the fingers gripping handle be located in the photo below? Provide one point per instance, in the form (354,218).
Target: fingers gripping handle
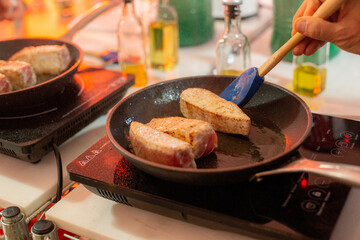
(326,9)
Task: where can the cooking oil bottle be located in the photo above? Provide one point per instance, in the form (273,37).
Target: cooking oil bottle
(233,47)
(310,72)
(164,38)
(131,44)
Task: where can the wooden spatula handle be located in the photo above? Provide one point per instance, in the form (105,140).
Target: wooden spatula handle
(326,9)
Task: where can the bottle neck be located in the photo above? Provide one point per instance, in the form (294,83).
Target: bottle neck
(129,8)
(232,19)
(163,2)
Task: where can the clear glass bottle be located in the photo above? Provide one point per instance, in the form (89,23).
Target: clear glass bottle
(233,47)
(164,38)
(310,72)
(131,44)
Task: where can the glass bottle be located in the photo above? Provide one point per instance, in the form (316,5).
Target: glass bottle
(164,38)
(131,44)
(310,72)
(233,47)
(147,10)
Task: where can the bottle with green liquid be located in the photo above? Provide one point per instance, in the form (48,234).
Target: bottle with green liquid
(310,72)
(195,20)
(283,13)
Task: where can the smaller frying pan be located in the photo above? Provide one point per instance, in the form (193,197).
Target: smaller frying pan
(21,100)
(281,122)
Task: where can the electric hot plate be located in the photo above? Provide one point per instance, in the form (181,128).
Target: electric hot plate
(287,206)
(29,134)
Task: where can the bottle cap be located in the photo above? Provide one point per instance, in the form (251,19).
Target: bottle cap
(11,215)
(232,2)
(232,8)
(10,212)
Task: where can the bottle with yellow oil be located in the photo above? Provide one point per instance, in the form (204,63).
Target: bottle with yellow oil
(131,44)
(164,38)
(137,68)
(233,47)
(310,72)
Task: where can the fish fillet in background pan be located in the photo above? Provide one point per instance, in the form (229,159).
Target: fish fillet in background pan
(198,133)
(45,59)
(224,116)
(156,146)
(20,74)
(5,85)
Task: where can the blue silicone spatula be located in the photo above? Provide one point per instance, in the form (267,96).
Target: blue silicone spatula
(243,88)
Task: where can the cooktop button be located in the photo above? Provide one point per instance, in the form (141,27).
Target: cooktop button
(310,206)
(322,182)
(317,193)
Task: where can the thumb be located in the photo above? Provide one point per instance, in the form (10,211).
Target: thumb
(316,28)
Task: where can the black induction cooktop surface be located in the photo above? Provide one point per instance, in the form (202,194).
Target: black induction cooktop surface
(27,134)
(287,206)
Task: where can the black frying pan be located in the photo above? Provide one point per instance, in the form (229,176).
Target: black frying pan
(49,86)
(281,121)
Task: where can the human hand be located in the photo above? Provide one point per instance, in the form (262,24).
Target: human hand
(342,28)
(11,9)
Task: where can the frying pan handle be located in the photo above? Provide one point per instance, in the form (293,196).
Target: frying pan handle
(90,15)
(344,173)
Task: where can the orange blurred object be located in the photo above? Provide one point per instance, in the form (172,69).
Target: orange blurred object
(44,18)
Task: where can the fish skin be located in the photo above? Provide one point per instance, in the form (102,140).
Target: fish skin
(160,147)
(198,133)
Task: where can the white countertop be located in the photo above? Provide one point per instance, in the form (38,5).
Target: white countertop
(98,218)
(29,186)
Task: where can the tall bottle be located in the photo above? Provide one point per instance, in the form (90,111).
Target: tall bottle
(164,38)
(233,47)
(310,72)
(131,44)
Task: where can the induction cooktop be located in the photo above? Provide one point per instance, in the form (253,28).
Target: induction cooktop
(288,206)
(29,134)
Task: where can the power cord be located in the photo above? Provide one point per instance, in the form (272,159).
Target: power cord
(59,172)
